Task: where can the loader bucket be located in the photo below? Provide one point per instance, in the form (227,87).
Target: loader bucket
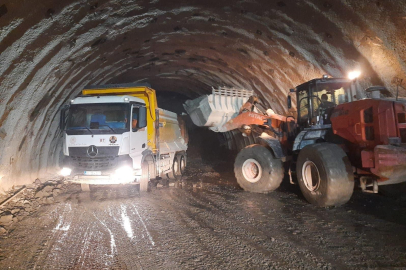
(215,110)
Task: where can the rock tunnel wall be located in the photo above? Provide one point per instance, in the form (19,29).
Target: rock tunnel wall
(49,50)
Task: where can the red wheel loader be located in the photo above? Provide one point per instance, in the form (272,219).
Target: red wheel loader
(337,135)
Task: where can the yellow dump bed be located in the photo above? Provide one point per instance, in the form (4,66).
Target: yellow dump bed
(172,133)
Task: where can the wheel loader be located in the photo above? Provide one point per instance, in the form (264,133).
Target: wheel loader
(337,136)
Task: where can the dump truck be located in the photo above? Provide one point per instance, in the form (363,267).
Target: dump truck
(336,136)
(116,134)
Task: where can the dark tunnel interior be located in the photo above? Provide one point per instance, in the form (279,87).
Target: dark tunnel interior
(50,50)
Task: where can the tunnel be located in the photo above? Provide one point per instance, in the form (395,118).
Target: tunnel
(53,49)
(50,50)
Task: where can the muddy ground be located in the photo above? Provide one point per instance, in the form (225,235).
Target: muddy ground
(205,222)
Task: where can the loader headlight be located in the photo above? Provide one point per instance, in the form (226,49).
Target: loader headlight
(65,171)
(123,172)
(354,74)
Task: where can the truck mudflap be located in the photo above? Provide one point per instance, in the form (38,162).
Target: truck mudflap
(390,164)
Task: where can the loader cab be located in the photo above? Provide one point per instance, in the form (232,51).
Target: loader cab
(316,100)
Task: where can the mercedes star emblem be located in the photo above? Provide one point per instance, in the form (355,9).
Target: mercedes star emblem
(92,151)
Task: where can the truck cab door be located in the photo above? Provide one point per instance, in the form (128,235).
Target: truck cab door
(138,133)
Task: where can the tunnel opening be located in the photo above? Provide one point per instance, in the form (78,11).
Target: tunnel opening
(206,149)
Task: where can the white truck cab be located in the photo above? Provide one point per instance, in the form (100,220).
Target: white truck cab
(116,135)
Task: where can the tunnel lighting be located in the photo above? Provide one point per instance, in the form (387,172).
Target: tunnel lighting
(65,171)
(124,172)
(354,74)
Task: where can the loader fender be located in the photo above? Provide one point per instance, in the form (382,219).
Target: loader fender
(272,143)
(309,136)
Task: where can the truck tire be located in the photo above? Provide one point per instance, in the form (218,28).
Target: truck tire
(144,181)
(257,170)
(173,174)
(325,174)
(182,164)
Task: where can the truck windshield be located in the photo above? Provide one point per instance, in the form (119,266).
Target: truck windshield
(98,118)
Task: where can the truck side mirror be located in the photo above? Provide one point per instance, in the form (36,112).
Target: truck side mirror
(289,102)
(62,119)
(142,117)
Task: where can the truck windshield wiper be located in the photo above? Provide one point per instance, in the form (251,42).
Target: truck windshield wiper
(108,127)
(73,128)
(88,129)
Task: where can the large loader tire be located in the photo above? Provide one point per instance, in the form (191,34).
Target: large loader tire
(257,170)
(325,174)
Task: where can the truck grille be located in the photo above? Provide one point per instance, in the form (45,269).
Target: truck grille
(96,164)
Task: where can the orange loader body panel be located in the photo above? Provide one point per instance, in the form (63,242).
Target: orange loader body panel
(375,132)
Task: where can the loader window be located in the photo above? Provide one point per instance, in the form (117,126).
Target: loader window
(326,97)
(303,108)
(336,92)
(340,96)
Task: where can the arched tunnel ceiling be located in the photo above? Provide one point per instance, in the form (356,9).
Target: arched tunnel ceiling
(49,50)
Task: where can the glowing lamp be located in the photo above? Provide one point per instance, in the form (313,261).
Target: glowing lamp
(124,172)
(354,75)
(65,171)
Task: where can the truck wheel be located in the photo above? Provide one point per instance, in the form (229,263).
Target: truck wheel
(325,174)
(174,174)
(144,181)
(257,170)
(182,164)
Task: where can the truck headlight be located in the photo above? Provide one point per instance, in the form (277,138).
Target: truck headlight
(124,171)
(65,171)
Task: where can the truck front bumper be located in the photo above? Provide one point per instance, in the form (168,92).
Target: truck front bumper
(109,177)
(390,164)
(102,180)
(101,170)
